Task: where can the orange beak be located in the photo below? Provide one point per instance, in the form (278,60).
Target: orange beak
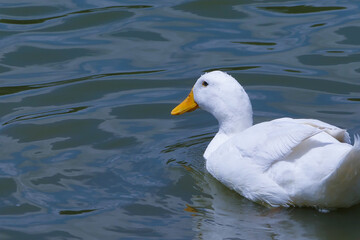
(188,105)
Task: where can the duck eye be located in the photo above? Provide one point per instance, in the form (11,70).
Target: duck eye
(204,83)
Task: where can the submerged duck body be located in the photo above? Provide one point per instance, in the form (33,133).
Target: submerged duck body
(283,162)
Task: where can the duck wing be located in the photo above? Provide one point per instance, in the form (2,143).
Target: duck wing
(269,142)
(340,134)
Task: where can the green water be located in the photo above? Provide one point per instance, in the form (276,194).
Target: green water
(89,149)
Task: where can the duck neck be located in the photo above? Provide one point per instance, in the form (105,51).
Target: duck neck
(234,124)
(235,120)
(230,123)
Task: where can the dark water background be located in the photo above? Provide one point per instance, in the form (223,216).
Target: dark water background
(89,149)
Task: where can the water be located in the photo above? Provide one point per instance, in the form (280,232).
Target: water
(89,149)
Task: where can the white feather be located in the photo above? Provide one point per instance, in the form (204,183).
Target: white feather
(302,162)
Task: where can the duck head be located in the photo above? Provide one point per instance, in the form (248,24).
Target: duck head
(221,95)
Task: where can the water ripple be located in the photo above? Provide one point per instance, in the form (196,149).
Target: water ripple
(89,148)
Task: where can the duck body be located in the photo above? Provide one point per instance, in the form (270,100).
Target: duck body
(289,162)
(283,162)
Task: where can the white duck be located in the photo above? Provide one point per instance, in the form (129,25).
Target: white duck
(283,162)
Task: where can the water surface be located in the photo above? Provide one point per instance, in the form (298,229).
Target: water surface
(89,149)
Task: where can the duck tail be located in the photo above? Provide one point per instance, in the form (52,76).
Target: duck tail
(349,167)
(357,142)
(344,183)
